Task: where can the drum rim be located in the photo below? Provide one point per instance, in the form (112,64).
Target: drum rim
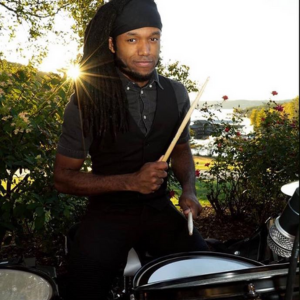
(45,276)
(161,261)
(235,276)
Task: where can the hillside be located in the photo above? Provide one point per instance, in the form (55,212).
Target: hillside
(243,104)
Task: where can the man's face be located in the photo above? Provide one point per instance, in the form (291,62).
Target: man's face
(137,53)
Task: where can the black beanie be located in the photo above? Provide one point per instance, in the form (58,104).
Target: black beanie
(137,14)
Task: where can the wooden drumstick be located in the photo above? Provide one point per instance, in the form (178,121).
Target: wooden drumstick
(190,223)
(184,122)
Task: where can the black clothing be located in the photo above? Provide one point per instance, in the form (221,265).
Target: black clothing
(141,105)
(107,234)
(129,151)
(118,221)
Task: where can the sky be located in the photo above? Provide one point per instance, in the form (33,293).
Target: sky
(248,48)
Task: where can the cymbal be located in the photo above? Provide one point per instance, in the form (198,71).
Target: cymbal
(290,188)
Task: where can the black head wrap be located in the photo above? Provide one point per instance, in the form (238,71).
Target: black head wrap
(137,14)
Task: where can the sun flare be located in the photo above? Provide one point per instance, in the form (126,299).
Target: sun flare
(74,72)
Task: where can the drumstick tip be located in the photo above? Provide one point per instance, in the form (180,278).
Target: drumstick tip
(190,223)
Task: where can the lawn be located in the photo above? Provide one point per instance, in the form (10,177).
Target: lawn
(200,163)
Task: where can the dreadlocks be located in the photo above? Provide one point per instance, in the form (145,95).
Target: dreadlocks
(99,94)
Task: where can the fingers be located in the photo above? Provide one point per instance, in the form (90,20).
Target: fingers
(151,176)
(192,205)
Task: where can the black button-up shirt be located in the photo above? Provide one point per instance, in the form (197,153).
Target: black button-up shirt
(141,104)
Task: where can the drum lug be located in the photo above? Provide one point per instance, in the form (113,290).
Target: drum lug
(252,292)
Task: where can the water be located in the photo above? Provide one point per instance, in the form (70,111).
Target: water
(223,114)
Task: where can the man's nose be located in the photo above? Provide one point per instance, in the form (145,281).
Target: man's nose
(144,48)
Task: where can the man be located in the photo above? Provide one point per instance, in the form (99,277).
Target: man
(125,116)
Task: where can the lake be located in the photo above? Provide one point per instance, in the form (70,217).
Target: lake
(223,114)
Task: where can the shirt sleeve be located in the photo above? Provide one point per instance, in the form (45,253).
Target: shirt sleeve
(183,102)
(72,142)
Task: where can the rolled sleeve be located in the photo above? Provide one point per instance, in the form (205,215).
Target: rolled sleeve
(72,142)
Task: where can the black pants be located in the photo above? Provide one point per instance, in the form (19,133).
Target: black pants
(106,235)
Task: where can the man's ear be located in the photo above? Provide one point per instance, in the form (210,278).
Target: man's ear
(111,45)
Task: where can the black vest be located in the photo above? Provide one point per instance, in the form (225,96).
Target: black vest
(129,151)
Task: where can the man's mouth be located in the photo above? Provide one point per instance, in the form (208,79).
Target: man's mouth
(144,64)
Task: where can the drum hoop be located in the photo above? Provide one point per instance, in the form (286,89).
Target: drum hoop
(211,281)
(45,276)
(164,260)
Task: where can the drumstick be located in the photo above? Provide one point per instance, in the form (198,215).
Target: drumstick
(184,122)
(190,223)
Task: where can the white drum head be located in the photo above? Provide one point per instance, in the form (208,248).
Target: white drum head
(290,188)
(197,266)
(21,285)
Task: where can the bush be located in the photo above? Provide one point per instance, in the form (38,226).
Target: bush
(249,170)
(31,111)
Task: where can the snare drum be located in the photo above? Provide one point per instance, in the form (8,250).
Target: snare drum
(209,275)
(190,264)
(20,283)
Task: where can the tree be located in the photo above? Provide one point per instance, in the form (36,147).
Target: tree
(39,16)
(178,72)
(292,108)
(253,116)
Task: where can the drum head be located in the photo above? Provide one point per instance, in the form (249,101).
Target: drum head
(22,284)
(289,189)
(190,264)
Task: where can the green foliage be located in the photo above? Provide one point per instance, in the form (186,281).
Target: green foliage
(291,110)
(178,72)
(249,170)
(39,15)
(31,112)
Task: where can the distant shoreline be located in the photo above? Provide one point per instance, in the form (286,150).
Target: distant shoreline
(243,104)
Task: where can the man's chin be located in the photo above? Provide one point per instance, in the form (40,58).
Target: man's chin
(136,76)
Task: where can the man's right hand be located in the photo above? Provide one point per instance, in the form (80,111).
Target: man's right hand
(150,177)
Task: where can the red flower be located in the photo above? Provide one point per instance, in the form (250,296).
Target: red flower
(172,194)
(227,129)
(238,134)
(225,98)
(207,164)
(274,93)
(219,145)
(279,108)
(263,119)
(197,173)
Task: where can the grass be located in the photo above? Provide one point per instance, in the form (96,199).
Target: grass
(200,163)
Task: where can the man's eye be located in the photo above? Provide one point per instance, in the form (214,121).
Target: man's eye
(154,39)
(131,40)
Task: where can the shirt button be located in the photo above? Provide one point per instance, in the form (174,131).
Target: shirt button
(145,117)
(150,86)
(128,88)
(142,92)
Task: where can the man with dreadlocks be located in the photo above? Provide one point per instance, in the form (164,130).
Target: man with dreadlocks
(124,115)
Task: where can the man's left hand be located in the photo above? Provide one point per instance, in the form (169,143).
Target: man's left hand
(189,202)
